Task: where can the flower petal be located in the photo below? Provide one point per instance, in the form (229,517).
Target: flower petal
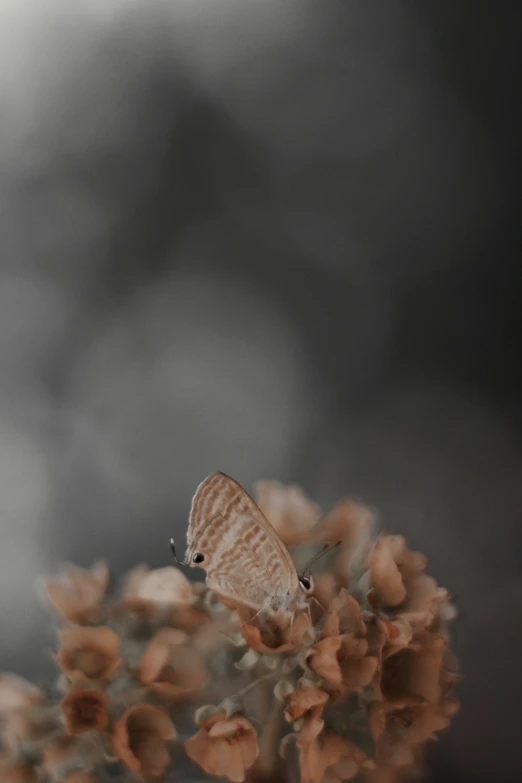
(343,616)
(386,577)
(290,512)
(16,693)
(160,586)
(323,659)
(224,747)
(77,593)
(138,738)
(302,700)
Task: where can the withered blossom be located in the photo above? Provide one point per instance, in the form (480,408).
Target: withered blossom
(325,755)
(77,593)
(360,682)
(305,701)
(88,653)
(326,587)
(224,746)
(343,660)
(16,693)
(290,512)
(341,655)
(141,738)
(161,596)
(169,668)
(187,618)
(270,638)
(161,586)
(398,578)
(399,633)
(376,636)
(398,732)
(343,616)
(350,523)
(412,674)
(18,700)
(386,577)
(84,710)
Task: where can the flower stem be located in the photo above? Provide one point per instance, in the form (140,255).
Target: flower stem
(270,739)
(254,684)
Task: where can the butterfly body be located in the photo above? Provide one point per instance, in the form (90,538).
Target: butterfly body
(243,556)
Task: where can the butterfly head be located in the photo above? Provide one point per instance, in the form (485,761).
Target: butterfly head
(195,558)
(306,584)
(191,558)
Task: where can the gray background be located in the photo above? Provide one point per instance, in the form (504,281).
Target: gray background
(278,238)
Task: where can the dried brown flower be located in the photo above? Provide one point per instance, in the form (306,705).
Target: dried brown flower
(17,698)
(188,619)
(271,638)
(290,512)
(305,701)
(326,755)
(88,654)
(341,655)
(343,616)
(398,578)
(343,660)
(158,586)
(170,669)
(349,522)
(326,587)
(84,710)
(77,593)
(143,612)
(398,633)
(224,746)
(399,731)
(18,701)
(16,693)
(412,674)
(140,740)
(386,577)
(416,701)
(366,671)
(161,596)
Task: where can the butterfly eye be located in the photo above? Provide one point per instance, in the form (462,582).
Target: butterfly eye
(306,583)
(198,558)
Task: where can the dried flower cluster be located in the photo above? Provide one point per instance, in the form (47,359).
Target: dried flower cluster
(165,674)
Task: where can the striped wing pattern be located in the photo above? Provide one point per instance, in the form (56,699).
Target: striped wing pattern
(244,557)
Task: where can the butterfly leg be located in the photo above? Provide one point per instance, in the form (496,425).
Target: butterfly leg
(265,607)
(319,604)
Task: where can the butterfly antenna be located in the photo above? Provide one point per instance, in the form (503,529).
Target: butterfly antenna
(173,550)
(323,551)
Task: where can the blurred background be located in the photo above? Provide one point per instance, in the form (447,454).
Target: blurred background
(279,239)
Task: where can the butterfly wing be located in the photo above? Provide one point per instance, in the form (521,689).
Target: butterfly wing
(244,557)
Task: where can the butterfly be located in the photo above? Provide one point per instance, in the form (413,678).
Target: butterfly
(244,558)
